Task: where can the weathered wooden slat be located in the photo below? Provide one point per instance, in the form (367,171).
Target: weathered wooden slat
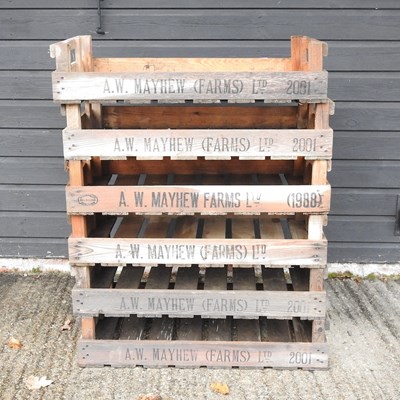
(210,354)
(74,87)
(274,280)
(162,329)
(203,24)
(189,328)
(197,251)
(314,144)
(132,328)
(343,86)
(213,302)
(198,199)
(130,277)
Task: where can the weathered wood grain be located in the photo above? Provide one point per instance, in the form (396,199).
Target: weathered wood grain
(186,303)
(197,251)
(204,199)
(181,143)
(198,353)
(74,87)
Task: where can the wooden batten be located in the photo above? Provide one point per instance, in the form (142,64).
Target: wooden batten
(189,143)
(187,303)
(268,86)
(189,353)
(197,251)
(204,199)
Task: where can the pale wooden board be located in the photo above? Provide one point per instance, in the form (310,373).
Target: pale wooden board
(186,144)
(75,86)
(156,353)
(202,199)
(215,301)
(197,251)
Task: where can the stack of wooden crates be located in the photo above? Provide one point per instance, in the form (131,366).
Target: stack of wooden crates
(197,197)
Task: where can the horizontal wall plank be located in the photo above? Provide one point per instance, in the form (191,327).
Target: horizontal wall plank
(343,55)
(343,86)
(34,225)
(32,114)
(32,198)
(364,201)
(365,229)
(357,116)
(364,145)
(33,171)
(364,86)
(33,248)
(203,24)
(31,142)
(365,174)
(193,4)
(354,252)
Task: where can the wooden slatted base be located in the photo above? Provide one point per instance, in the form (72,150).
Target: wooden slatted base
(200,342)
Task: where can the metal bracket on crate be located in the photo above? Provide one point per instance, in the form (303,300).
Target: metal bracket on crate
(99,29)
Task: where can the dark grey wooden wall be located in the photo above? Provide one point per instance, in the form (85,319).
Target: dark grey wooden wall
(364,66)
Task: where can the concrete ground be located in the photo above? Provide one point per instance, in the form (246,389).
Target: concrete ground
(363,339)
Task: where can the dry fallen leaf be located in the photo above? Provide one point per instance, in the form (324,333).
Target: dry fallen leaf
(14,344)
(67,325)
(35,382)
(221,388)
